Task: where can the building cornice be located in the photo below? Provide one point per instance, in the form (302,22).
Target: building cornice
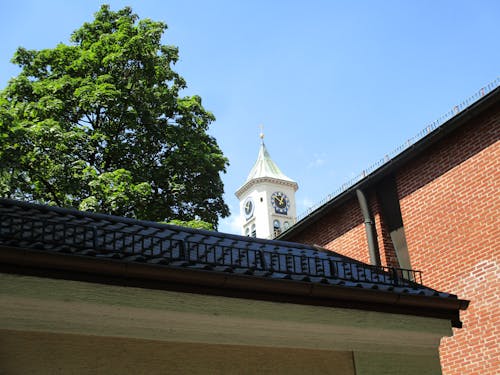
(108,271)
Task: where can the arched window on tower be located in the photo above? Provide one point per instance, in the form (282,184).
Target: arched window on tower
(247,232)
(286,225)
(254,231)
(277,227)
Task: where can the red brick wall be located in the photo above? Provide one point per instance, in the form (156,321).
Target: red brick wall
(450,204)
(386,248)
(341,230)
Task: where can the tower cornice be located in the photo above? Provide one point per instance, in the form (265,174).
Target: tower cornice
(260,180)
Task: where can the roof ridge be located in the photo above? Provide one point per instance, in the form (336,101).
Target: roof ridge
(480,95)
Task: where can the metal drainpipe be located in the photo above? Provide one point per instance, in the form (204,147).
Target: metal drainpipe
(371,232)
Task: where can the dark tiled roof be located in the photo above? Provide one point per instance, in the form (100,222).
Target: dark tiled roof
(74,233)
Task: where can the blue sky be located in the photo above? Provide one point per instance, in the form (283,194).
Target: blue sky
(336,84)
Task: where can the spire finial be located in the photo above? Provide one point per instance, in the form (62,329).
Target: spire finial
(261,135)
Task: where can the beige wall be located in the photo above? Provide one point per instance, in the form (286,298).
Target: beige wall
(369,363)
(66,326)
(55,353)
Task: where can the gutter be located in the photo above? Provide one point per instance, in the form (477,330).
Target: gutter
(371,232)
(109,271)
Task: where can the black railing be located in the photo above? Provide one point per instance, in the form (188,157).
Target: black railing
(161,248)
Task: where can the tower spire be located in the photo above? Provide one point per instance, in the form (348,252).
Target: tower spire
(267,198)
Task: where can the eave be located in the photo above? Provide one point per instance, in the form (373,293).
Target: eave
(108,271)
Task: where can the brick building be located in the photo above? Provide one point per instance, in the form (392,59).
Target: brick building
(434,207)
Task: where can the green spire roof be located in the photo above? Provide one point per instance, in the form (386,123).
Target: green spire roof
(265,167)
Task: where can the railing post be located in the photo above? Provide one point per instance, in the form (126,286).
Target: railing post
(94,240)
(182,250)
(262,260)
(395,276)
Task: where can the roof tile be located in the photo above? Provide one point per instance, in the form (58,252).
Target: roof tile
(64,231)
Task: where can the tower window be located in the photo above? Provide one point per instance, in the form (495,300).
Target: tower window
(277,227)
(286,225)
(254,231)
(247,232)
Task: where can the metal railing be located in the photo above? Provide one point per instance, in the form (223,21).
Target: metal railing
(91,240)
(409,142)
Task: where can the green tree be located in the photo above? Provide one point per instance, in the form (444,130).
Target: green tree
(197,224)
(99,125)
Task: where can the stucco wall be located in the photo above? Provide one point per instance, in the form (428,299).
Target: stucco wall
(42,353)
(62,326)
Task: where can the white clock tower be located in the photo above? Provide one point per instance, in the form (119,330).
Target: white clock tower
(267,198)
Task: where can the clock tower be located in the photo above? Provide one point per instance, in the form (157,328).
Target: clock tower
(267,198)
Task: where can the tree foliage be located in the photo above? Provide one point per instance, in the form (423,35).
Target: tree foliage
(197,224)
(99,125)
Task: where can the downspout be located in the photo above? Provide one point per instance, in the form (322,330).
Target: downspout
(371,232)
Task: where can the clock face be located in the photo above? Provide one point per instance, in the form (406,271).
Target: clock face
(248,207)
(280,202)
